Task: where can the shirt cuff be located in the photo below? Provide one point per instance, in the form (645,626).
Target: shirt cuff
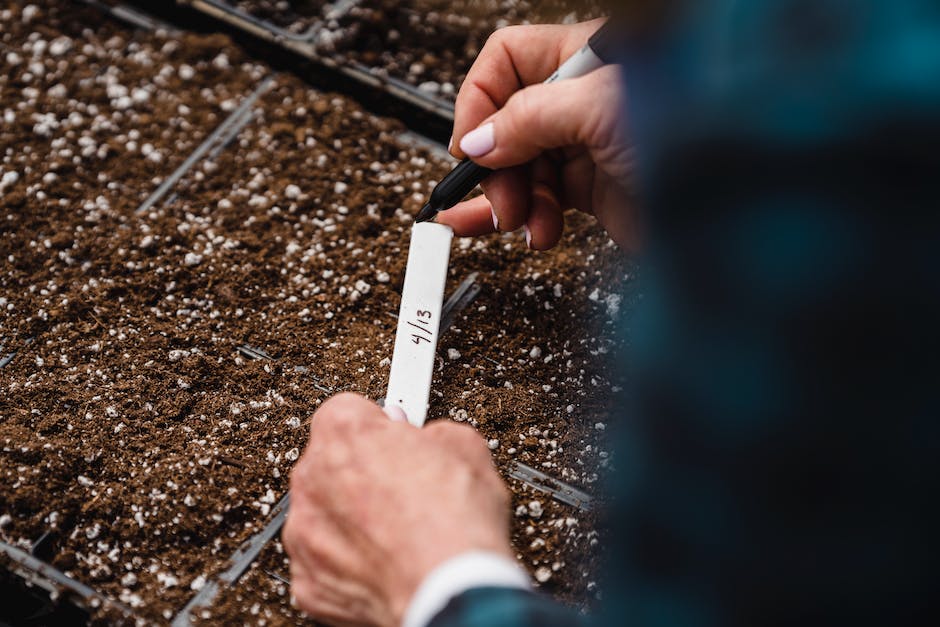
(473,569)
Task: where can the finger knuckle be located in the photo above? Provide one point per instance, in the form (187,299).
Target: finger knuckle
(601,126)
(290,537)
(295,569)
(336,414)
(519,105)
(298,477)
(304,596)
(470,440)
(435,432)
(468,433)
(482,457)
(524,112)
(503,495)
(447,429)
(340,405)
(305,467)
(501,36)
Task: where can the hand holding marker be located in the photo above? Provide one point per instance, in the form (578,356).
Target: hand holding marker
(412,364)
(467,174)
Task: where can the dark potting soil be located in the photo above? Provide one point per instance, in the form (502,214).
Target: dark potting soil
(296,16)
(130,426)
(556,542)
(431,44)
(318,289)
(428,43)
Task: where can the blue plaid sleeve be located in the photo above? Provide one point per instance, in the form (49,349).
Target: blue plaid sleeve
(779,450)
(782,433)
(505,607)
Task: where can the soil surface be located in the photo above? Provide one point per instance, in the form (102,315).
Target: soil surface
(295,16)
(430,44)
(134,435)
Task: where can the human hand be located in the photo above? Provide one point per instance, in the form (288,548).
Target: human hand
(556,146)
(377,504)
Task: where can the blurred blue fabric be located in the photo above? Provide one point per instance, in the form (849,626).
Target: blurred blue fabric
(779,447)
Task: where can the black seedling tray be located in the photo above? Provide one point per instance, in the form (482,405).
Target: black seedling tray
(305,45)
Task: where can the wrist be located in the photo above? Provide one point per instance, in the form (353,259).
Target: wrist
(456,575)
(425,554)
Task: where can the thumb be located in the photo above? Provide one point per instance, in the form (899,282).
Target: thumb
(581,111)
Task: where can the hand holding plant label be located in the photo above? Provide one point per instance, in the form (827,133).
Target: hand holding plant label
(377,505)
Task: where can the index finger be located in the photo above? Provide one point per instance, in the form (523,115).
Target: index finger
(343,410)
(512,58)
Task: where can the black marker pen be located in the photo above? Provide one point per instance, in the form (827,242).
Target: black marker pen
(462,179)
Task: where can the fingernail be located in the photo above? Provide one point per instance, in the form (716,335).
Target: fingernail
(528,236)
(495,219)
(395,413)
(479,141)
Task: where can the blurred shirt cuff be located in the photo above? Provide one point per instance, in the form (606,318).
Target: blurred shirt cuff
(473,569)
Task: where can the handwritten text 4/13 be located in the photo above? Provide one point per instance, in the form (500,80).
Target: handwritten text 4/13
(422,322)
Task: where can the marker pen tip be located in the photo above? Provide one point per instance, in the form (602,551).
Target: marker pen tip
(427,212)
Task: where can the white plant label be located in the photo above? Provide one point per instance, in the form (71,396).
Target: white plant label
(419,321)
